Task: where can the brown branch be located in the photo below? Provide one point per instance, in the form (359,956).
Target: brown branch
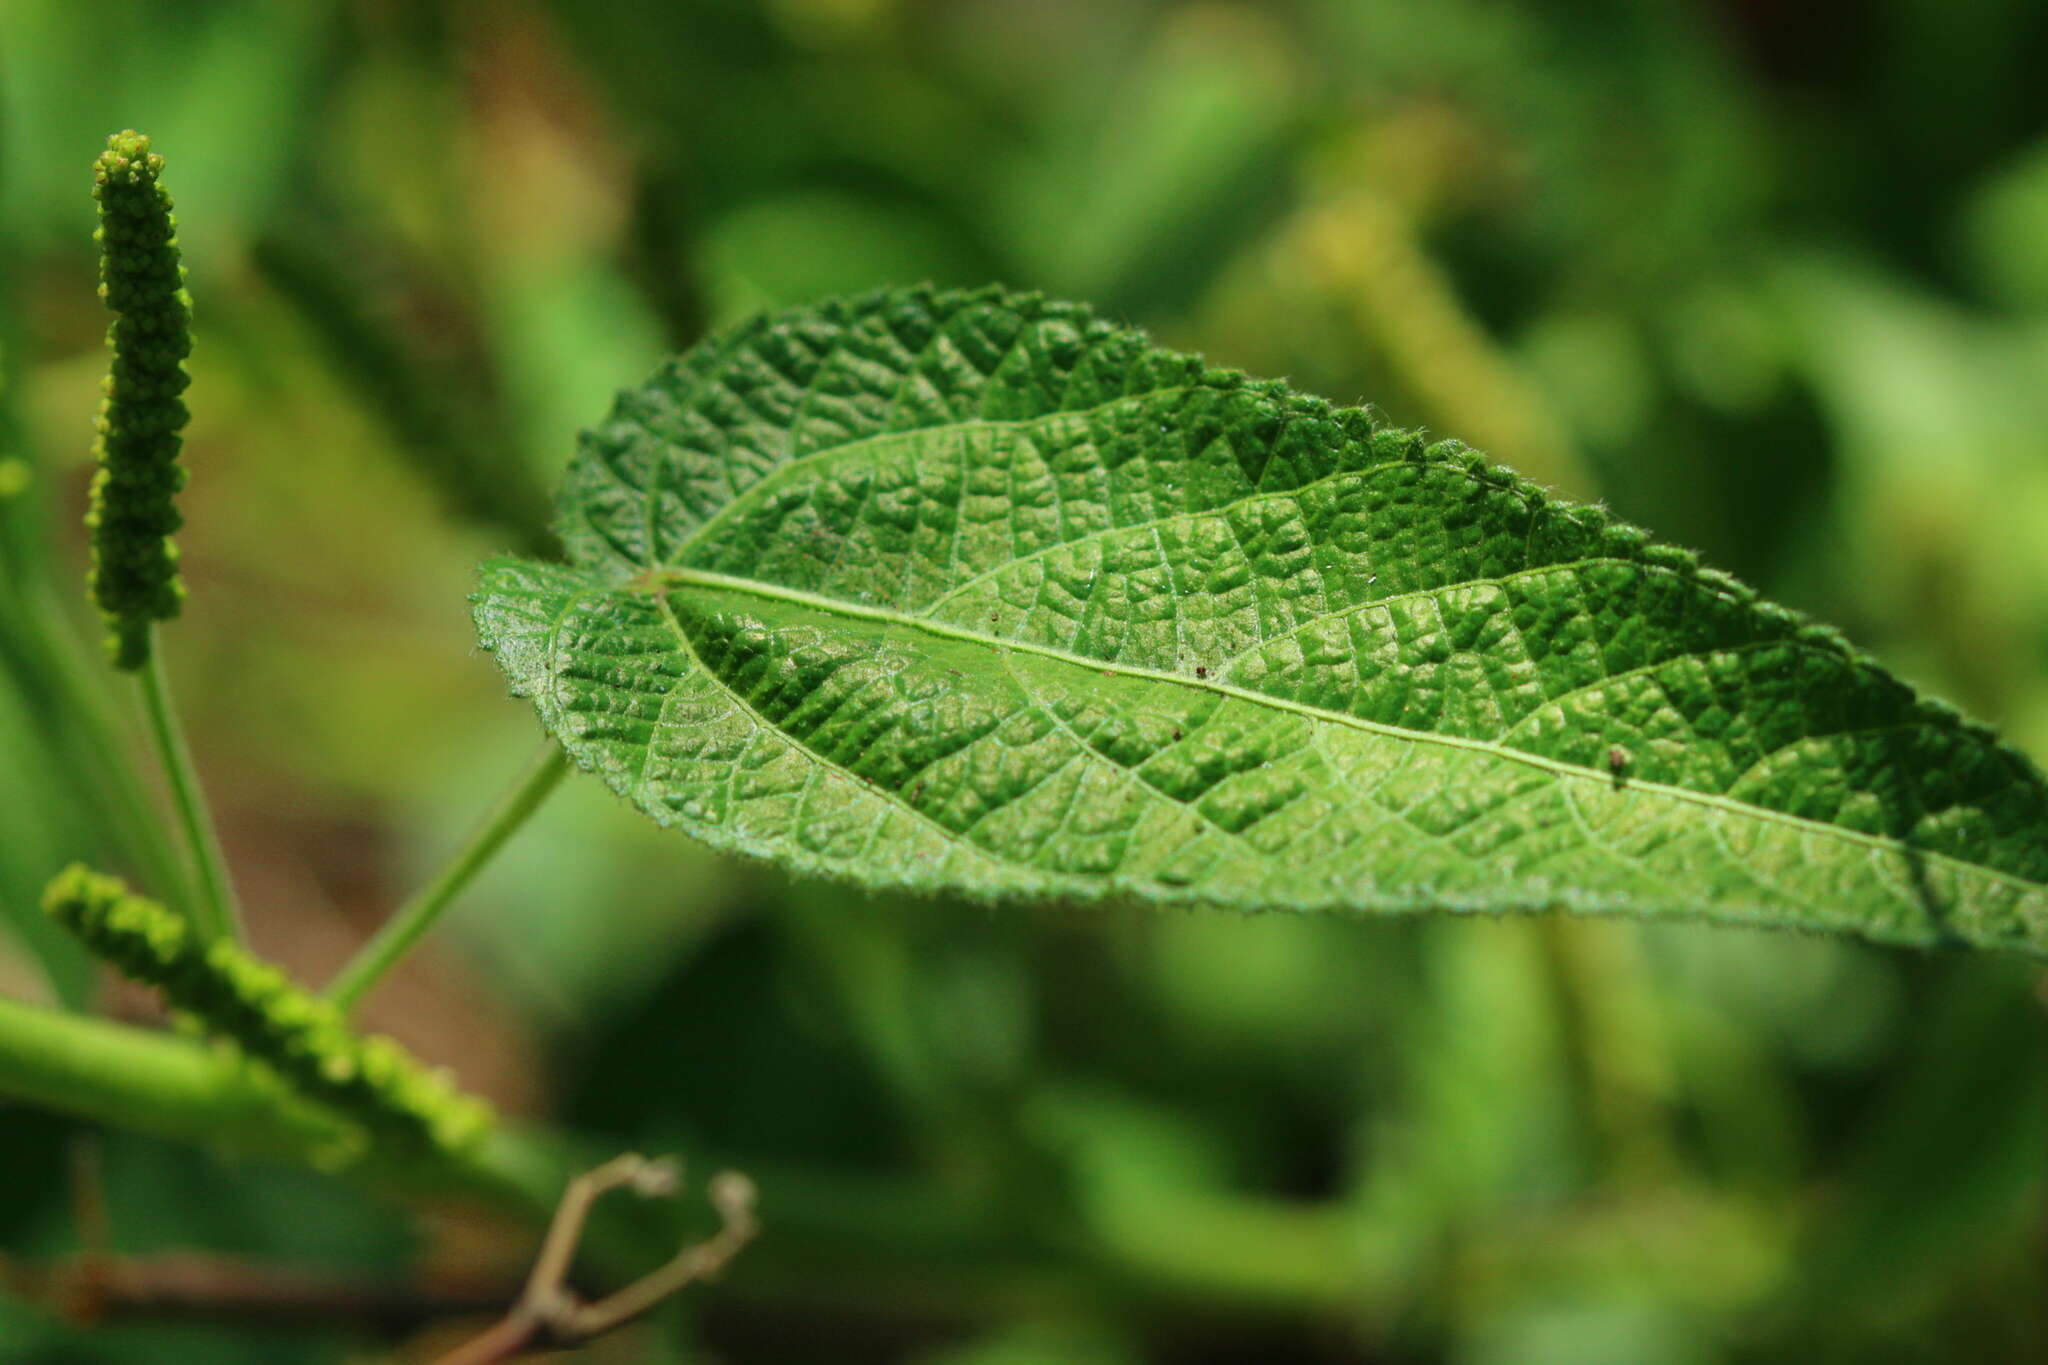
(551,1314)
(93,1289)
(97,1285)
(89,1196)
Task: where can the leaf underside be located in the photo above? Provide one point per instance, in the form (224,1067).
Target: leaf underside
(979,593)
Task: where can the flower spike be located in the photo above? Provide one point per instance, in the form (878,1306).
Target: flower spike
(244,1000)
(134,577)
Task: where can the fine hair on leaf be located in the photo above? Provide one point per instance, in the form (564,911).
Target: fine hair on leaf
(980,593)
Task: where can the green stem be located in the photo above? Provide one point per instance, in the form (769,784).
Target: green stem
(89,726)
(154,1082)
(417,915)
(179,1088)
(186,1090)
(879,1239)
(217,916)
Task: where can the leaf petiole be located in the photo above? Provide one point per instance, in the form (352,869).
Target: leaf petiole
(416,916)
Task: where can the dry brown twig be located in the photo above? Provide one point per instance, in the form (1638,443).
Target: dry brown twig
(549,1314)
(193,1287)
(87,1289)
(97,1285)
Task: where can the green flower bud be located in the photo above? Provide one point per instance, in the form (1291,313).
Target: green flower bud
(237,997)
(134,579)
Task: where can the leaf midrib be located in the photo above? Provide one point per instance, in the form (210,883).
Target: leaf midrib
(953,838)
(663,580)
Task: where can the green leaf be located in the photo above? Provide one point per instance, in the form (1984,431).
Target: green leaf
(979,593)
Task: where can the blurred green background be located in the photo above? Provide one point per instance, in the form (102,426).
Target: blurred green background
(1769,278)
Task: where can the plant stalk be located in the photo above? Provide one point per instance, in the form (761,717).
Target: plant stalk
(154,1082)
(890,1241)
(180,1088)
(416,916)
(90,728)
(216,915)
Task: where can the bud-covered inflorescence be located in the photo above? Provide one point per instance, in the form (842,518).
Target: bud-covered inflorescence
(302,1037)
(134,578)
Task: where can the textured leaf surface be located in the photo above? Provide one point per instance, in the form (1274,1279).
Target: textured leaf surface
(978,592)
